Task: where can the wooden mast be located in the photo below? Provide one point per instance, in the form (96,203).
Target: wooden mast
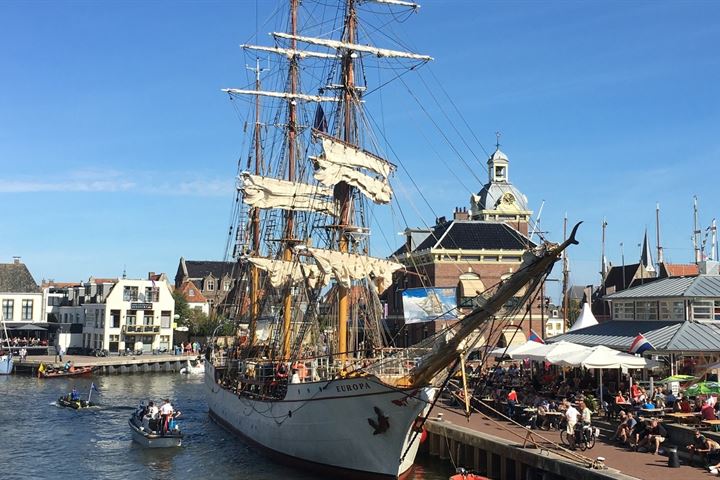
(566,278)
(290,215)
(342,189)
(254,270)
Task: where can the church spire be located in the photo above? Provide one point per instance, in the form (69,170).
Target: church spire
(646,255)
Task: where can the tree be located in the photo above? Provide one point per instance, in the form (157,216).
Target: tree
(182,309)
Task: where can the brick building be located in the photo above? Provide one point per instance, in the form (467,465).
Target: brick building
(474,250)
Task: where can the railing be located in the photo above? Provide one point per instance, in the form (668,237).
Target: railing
(141,328)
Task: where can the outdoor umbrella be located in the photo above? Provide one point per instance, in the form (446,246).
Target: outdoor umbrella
(520,351)
(702,388)
(677,378)
(29,328)
(554,351)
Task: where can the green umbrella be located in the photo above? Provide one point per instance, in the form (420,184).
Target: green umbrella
(677,378)
(702,388)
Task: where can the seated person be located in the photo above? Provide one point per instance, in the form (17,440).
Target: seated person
(656,434)
(707,411)
(74,395)
(670,399)
(637,434)
(684,405)
(702,446)
(627,423)
(541,418)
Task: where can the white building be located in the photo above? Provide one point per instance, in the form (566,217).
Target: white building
(20,297)
(120,314)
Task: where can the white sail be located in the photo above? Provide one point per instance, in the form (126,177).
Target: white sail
(397,2)
(266,192)
(329,173)
(289,52)
(380,52)
(287,95)
(341,153)
(344,267)
(281,272)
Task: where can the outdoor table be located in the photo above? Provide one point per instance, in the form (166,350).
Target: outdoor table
(653,411)
(684,417)
(714,424)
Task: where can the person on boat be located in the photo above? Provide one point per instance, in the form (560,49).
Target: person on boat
(295,376)
(166,413)
(74,395)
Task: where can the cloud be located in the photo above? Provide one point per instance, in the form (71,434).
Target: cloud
(110,181)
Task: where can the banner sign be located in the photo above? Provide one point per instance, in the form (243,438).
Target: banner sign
(427,304)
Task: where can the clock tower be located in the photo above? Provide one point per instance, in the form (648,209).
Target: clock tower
(499,200)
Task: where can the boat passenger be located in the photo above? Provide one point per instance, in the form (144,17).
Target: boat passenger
(166,412)
(295,376)
(74,395)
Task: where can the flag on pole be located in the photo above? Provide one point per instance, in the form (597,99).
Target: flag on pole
(93,387)
(640,344)
(534,337)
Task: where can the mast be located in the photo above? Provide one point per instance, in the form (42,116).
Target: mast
(255,225)
(342,190)
(660,256)
(290,215)
(566,277)
(603,265)
(696,231)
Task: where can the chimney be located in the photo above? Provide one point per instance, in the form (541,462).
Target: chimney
(16,260)
(461,214)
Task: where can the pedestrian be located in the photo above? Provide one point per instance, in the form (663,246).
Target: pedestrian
(571,415)
(61,352)
(23,354)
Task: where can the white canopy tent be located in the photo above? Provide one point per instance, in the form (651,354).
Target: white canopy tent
(585,319)
(554,351)
(519,351)
(601,357)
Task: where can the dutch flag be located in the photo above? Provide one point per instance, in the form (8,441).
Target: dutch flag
(534,337)
(640,344)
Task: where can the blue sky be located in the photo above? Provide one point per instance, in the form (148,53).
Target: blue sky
(117,147)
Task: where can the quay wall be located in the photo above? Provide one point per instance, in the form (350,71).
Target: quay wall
(109,365)
(501,459)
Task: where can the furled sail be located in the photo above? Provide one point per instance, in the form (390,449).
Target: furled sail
(342,153)
(267,192)
(287,95)
(289,52)
(380,52)
(282,272)
(329,173)
(345,267)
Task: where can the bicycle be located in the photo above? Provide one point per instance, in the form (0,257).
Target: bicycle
(584,439)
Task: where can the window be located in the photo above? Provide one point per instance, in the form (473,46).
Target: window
(152,294)
(191,292)
(672,310)
(114,342)
(27,309)
(226,285)
(130,294)
(646,310)
(703,309)
(165,319)
(717,310)
(7,309)
(130,318)
(164,342)
(148,317)
(115,318)
(490,258)
(210,285)
(623,310)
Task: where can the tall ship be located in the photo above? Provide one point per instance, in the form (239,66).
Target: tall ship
(313,378)
(6,358)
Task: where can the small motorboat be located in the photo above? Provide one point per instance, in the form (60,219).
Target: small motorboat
(462,474)
(146,431)
(50,372)
(68,402)
(197,369)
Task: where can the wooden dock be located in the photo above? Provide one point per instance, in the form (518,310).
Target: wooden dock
(501,450)
(108,365)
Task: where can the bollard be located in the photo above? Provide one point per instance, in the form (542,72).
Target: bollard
(673,460)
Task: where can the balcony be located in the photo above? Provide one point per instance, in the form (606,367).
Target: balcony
(141,329)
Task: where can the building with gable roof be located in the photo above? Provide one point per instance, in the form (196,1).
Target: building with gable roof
(195,299)
(469,253)
(21,299)
(214,279)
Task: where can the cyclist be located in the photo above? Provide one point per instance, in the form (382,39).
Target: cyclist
(586,420)
(571,415)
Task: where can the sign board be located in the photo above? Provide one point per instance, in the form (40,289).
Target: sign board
(675,388)
(428,304)
(141,306)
